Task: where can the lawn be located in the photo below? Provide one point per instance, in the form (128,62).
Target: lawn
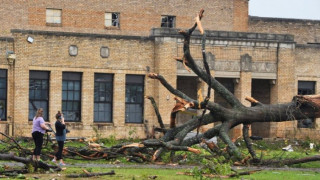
(172,174)
(128,170)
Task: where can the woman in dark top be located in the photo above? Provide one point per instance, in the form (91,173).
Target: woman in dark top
(60,137)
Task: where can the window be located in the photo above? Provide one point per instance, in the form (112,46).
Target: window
(112,19)
(168,21)
(3,94)
(71,96)
(306,88)
(53,16)
(38,93)
(103,93)
(134,98)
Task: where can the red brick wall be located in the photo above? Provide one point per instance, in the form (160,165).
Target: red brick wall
(136,17)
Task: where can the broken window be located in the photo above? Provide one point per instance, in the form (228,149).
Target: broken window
(168,21)
(53,16)
(112,19)
(306,88)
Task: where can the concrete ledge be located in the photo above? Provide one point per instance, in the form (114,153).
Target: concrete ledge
(256,75)
(72,34)
(183,72)
(156,32)
(226,74)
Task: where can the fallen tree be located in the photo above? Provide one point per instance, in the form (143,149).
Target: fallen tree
(173,138)
(301,107)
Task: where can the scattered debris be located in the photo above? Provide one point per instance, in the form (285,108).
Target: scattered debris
(311,145)
(88,174)
(153,177)
(288,148)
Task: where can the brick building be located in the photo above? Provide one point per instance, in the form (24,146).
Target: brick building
(89,59)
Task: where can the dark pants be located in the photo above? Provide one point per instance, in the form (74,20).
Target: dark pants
(38,141)
(59,153)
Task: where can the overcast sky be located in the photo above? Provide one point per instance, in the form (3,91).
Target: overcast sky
(294,9)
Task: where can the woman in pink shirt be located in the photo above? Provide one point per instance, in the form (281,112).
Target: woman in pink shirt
(38,130)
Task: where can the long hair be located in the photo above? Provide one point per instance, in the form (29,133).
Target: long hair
(39,113)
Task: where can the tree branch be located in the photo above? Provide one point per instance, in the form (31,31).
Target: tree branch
(245,133)
(290,161)
(220,89)
(156,109)
(171,89)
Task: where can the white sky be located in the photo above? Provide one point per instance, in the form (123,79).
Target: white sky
(293,9)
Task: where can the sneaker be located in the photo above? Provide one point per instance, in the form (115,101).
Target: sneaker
(62,164)
(54,161)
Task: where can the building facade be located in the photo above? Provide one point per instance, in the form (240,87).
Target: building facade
(89,59)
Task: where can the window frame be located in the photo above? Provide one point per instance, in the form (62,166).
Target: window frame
(167,24)
(71,77)
(5,99)
(142,84)
(111,21)
(40,79)
(306,91)
(105,101)
(53,23)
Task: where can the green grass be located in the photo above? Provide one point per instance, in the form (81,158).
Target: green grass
(120,174)
(268,150)
(273,150)
(285,175)
(280,155)
(171,174)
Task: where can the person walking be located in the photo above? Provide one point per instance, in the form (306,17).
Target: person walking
(39,128)
(60,137)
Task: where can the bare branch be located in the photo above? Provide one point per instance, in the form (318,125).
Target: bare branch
(245,132)
(171,89)
(220,89)
(156,109)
